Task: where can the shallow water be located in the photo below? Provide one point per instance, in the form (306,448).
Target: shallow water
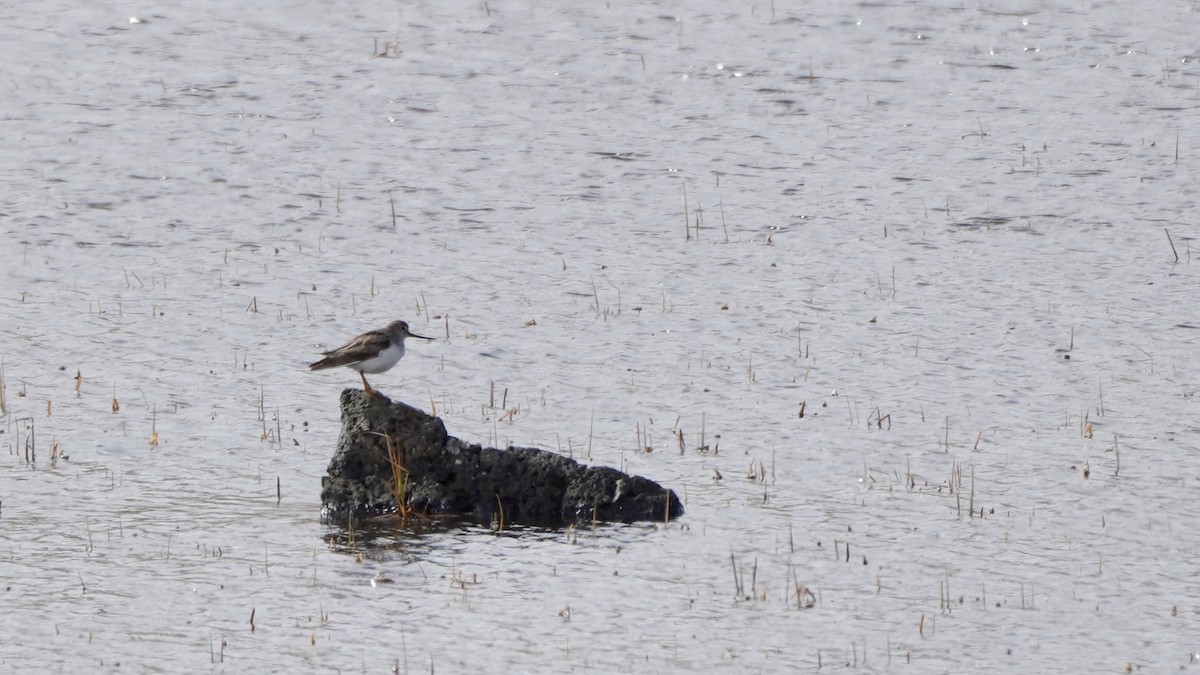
(910,216)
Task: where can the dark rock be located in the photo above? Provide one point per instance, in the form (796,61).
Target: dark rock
(384,444)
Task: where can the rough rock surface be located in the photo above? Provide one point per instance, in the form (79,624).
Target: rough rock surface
(446,477)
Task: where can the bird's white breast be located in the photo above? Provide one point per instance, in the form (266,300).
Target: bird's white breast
(381,362)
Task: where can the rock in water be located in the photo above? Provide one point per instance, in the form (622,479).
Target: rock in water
(385,443)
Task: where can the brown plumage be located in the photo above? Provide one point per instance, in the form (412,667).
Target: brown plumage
(375,351)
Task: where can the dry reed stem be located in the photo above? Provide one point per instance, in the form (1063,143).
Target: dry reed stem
(498,523)
(1117,450)
(1172,243)
(971,501)
(30,440)
(400,474)
(154,427)
(687,233)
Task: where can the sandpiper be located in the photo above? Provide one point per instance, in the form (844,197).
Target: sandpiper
(374,352)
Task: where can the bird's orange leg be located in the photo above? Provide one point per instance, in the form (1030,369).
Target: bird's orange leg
(366,385)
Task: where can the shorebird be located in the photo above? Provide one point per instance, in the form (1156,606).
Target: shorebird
(374,352)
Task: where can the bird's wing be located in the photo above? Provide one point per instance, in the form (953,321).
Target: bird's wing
(361,348)
(371,343)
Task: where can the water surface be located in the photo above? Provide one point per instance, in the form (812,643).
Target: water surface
(901,219)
